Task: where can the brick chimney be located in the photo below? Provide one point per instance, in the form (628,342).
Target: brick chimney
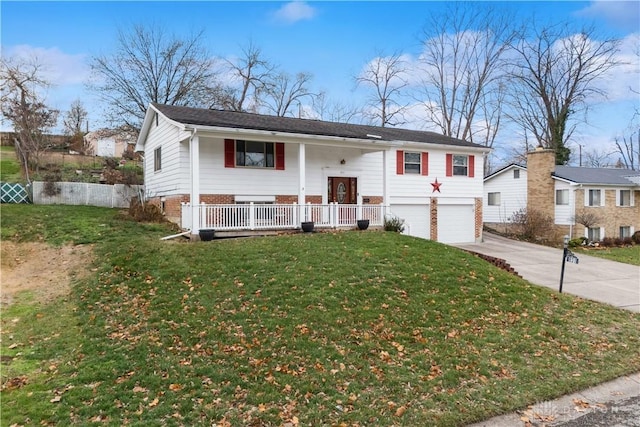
(541,163)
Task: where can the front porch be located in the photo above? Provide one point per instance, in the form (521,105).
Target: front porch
(263,216)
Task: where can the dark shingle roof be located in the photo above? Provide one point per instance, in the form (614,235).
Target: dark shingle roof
(242,120)
(605,176)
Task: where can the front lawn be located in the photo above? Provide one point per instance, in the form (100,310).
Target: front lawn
(628,254)
(348,328)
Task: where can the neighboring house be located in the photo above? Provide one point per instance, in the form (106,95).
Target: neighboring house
(256,172)
(110,142)
(609,196)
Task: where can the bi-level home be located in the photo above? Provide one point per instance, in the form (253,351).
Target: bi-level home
(227,170)
(609,197)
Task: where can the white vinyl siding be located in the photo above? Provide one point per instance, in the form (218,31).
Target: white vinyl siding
(513,195)
(174,178)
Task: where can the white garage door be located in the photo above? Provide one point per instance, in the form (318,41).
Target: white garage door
(456,224)
(416,219)
(106,148)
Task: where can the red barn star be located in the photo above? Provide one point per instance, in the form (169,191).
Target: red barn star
(436,186)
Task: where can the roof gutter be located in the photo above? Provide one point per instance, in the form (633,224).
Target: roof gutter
(276,136)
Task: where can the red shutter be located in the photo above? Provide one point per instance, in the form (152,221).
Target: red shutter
(472,166)
(449,164)
(424,167)
(400,162)
(280,156)
(229,153)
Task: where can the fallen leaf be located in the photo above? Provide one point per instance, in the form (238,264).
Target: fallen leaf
(154,403)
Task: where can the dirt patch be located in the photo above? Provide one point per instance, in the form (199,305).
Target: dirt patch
(45,270)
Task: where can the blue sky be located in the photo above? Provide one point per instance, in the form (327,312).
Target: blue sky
(332,40)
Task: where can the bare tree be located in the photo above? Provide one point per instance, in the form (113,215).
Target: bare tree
(553,76)
(249,75)
(462,70)
(75,118)
(386,77)
(151,66)
(334,111)
(596,158)
(586,218)
(282,92)
(629,150)
(22,104)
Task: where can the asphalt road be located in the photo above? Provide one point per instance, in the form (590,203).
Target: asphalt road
(592,278)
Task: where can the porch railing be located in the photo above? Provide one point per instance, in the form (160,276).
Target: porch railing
(258,216)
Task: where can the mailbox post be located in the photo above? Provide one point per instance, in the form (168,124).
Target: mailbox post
(567,255)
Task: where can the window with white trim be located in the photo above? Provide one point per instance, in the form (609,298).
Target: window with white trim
(255,154)
(594,197)
(493,199)
(624,197)
(625,231)
(157,159)
(562,197)
(460,165)
(412,162)
(593,234)
(516,174)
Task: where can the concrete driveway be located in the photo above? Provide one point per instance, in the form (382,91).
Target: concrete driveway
(592,278)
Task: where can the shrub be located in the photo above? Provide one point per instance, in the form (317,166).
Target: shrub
(607,242)
(531,225)
(627,241)
(579,241)
(636,237)
(394,224)
(145,212)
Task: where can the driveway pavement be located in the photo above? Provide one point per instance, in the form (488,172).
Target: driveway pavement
(592,278)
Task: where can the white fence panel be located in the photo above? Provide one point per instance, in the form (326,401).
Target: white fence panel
(83,194)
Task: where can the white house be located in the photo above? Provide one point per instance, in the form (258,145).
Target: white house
(607,197)
(251,171)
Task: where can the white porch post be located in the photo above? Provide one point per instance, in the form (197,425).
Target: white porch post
(385,178)
(194,160)
(302,166)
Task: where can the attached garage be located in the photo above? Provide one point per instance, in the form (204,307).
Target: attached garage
(456,223)
(416,219)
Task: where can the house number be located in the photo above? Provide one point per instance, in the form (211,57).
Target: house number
(342,192)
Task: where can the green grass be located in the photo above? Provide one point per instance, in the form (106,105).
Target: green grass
(353,328)
(627,255)
(9,166)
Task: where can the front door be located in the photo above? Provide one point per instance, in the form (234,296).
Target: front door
(343,190)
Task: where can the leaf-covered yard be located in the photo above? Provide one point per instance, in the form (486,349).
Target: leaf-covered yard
(348,328)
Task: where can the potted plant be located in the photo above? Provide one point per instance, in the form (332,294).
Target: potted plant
(307,226)
(363,224)
(207,234)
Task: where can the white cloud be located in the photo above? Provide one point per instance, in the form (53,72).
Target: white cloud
(619,14)
(295,11)
(58,67)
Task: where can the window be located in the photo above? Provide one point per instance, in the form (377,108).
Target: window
(460,165)
(255,154)
(624,198)
(562,197)
(594,198)
(411,162)
(516,174)
(625,232)
(157,159)
(593,234)
(494,199)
